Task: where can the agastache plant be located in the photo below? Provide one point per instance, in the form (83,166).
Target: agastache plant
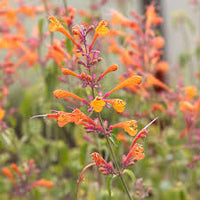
(95,104)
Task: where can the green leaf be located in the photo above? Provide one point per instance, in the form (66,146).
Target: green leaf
(130,174)
(109,185)
(40,25)
(83,154)
(69,45)
(114,140)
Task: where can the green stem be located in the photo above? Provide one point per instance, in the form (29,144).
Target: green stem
(114,158)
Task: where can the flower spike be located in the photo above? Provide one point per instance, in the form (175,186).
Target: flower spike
(133,80)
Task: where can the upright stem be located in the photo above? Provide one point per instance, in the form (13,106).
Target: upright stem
(107,138)
(65,5)
(114,158)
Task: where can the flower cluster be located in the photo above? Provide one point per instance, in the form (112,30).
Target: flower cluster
(21,178)
(141,53)
(88,57)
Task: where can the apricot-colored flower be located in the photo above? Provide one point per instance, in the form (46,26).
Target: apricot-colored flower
(186,106)
(110,69)
(151,80)
(102,29)
(43,182)
(57,53)
(157,107)
(151,17)
(15,168)
(97,104)
(137,152)
(66,71)
(158,42)
(55,25)
(62,94)
(162,66)
(2,113)
(104,167)
(118,104)
(129,126)
(5,171)
(118,18)
(133,80)
(190,91)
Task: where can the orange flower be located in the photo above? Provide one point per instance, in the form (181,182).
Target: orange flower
(151,80)
(43,182)
(57,53)
(2,113)
(190,91)
(101,30)
(97,104)
(158,42)
(16,169)
(186,106)
(134,80)
(7,172)
(128,126)
(55,25)
(62,94)
(118,18)
(97,158)
(137,152)
(162,66)
(118,104)
(110,69)
(151,17)
(69,72)
(157,107)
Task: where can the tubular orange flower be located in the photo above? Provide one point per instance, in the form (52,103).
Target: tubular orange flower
(151,80)
(104,167)
(62,93)
(186,106)
(55,25)
(2,113)
(7,172)
(162,66)
(197,109)
(118,104)
(110,69)
(128,126)
(15,168)
(69,72)
(101,30)
(158,42)
(97,104)
(133,80)
(43,182)
(157,107)
(135,154)
(190,91)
